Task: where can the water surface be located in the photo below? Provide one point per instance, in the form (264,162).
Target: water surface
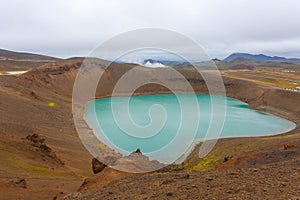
(162,126)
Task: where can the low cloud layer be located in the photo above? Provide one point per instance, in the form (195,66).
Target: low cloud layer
(153,65)
(74,28)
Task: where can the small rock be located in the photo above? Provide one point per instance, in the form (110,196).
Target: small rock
(33,95)
(170,194)
(97,166)
(187,176)
(20,183)
(226,158)
(255,170)
(282,184)
(168,181)
(138,150)
(35,138)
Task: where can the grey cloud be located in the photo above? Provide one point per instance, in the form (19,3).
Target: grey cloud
(73,28)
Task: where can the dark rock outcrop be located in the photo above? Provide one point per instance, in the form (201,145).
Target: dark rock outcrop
(135,162)
(38,142)
(19,182)
(97,166)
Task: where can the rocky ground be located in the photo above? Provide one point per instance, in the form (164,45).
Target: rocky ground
(241,168)
(275,181)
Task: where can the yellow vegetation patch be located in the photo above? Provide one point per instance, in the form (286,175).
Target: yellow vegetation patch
(216,156)
(207,163)
(104,147)
(52,104)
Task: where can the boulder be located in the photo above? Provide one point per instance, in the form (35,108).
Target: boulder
(97,166)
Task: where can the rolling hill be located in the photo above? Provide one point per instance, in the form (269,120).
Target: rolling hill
(14,61)
(12,55)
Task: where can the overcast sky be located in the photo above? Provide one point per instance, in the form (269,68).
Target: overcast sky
(68,28)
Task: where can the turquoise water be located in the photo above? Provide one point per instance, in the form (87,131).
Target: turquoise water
(164,126)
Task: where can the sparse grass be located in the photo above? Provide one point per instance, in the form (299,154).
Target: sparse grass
(104,147)
(11,164)
(230,148)
(207,163)
(38,170)
(279,83)
(275,78)
(216,156)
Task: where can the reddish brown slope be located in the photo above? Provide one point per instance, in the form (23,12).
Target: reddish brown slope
(24,109)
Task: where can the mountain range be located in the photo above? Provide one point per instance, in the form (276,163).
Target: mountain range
(11,60)
(260,57)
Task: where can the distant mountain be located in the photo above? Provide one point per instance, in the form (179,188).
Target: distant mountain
(260,57)
(12,55)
